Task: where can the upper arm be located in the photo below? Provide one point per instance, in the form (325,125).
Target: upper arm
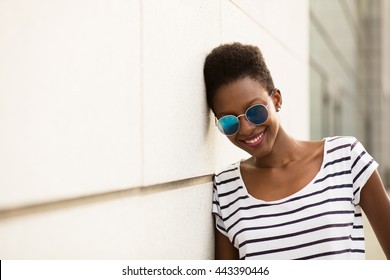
(376,205)
(224,249)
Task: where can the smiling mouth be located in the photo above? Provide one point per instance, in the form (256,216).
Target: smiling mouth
(255,141)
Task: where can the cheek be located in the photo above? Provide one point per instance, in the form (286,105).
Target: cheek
(274,125)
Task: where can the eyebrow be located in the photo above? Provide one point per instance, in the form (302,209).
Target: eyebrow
(247,105)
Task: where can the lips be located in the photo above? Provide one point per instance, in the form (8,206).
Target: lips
(255,140)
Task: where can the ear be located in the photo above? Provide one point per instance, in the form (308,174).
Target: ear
(277,99)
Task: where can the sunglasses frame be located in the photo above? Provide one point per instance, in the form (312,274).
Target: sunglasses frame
(239,116)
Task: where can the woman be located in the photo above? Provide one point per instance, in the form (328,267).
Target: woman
(291,199)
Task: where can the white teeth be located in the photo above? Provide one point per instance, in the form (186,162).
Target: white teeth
(252,141)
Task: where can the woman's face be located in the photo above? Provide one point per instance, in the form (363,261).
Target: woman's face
(234,99)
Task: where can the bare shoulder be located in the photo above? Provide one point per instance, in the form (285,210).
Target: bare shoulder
(313,145)
(313,149)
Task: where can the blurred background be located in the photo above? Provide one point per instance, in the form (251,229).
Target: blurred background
(350,73)
(107,147)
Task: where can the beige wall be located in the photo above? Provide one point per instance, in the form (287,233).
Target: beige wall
(106,145)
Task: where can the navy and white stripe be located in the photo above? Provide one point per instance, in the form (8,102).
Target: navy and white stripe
(321,221)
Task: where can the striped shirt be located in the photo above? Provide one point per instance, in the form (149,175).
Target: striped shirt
(321,221)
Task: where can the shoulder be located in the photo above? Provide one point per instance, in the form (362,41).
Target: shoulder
(228,174)
(341,139)
(339,143)
(228,171)
(348,146)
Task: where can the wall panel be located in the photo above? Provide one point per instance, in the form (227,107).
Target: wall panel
(70,117)
(177,143)
(155,224)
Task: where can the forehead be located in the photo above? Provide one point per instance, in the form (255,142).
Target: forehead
(239,94)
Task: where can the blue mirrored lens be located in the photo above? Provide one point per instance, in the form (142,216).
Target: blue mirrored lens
(257,114)
(228,125)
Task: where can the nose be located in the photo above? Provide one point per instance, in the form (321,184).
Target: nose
(246,127)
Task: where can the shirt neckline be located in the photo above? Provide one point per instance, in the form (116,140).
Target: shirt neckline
(302,190)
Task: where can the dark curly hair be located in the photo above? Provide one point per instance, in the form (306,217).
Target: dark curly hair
(231,62)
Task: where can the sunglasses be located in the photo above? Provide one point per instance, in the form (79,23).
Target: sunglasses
(230,124)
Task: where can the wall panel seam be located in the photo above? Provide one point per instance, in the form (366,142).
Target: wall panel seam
(142,91)
(141,191)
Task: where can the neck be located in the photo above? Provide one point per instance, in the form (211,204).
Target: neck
(284,151)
